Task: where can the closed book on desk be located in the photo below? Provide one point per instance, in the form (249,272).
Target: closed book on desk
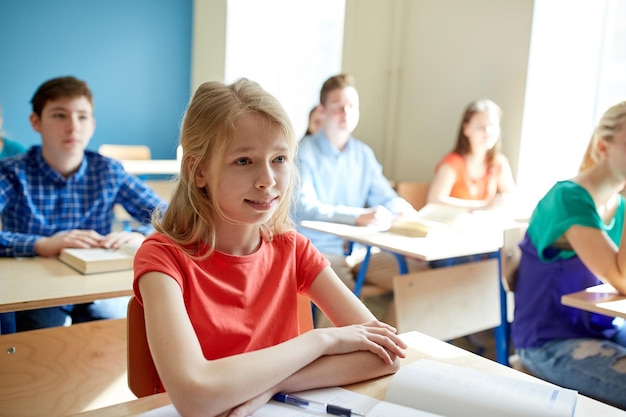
(430,388)
(432,218)
(97,260)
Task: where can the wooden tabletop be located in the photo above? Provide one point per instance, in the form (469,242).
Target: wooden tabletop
(420,347)
(602,299)
(37,282)
(460,242)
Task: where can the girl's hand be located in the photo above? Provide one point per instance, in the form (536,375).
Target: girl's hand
(249,407)
(374,336)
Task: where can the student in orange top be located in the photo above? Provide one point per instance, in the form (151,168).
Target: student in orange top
(219,279)
(475,174)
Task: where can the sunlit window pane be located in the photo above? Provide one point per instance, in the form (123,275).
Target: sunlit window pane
(288,46)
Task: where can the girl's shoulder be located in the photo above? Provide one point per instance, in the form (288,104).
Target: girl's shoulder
(452,159)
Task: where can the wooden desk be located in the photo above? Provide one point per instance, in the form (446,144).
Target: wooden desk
(60,370)
(420,346)
(38,282)
(602,299)
(435,248)
(468,298)
(152,166)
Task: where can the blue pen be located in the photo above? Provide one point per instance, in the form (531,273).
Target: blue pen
(315,405)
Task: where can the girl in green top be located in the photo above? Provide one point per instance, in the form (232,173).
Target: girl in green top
(574,242)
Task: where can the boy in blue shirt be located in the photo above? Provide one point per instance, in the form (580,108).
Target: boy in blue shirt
(60,195)
(342,182)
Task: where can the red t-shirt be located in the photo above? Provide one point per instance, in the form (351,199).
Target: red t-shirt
(237,303)
(470,188)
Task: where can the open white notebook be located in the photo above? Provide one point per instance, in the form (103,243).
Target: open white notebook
(434,389)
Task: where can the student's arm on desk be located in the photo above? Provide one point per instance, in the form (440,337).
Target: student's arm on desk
(205,388)
(599,254)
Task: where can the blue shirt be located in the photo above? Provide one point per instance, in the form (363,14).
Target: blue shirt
(36,201)
(336,186)
(11,148)
(547,272)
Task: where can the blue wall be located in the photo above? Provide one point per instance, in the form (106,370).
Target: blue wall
(134,54)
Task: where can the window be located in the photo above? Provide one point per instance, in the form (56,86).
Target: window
(575,72)
(289,47)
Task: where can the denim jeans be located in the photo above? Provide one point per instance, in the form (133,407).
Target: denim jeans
(112,308)
(594,367)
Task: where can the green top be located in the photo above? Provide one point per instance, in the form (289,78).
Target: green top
(565,205)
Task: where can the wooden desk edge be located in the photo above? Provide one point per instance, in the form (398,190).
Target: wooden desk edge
(590,300)
(53,302)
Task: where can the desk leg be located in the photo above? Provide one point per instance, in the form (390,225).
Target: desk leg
(502,332)
(360,278)
(402,265)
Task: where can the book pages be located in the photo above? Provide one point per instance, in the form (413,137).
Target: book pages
(454,391)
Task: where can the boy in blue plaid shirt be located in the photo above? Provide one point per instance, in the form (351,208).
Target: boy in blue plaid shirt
(60,195)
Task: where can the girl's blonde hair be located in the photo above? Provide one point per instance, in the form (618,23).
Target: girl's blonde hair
(612,121)
(207,129)
(462,146)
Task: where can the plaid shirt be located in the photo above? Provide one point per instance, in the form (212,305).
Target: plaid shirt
(36,201)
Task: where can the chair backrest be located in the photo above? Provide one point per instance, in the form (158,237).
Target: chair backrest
(511,254)
(143,378)
(125,152)
(305,314)
(413,192)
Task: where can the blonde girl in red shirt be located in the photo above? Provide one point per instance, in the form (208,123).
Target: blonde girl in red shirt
(219,279)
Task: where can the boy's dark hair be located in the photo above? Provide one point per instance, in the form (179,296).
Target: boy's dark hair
(59,88)
(334,83)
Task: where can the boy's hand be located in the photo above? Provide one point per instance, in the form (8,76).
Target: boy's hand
(52,245)
(375,216)
(116,239)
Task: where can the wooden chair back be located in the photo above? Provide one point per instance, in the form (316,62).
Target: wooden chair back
(125,152)
(511,254)
(143,378)
(413,192)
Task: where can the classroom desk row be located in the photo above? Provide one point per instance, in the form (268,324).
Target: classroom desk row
(29,283)
(421,346)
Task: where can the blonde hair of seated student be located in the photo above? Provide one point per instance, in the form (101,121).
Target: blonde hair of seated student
(475,173)
(238,144)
